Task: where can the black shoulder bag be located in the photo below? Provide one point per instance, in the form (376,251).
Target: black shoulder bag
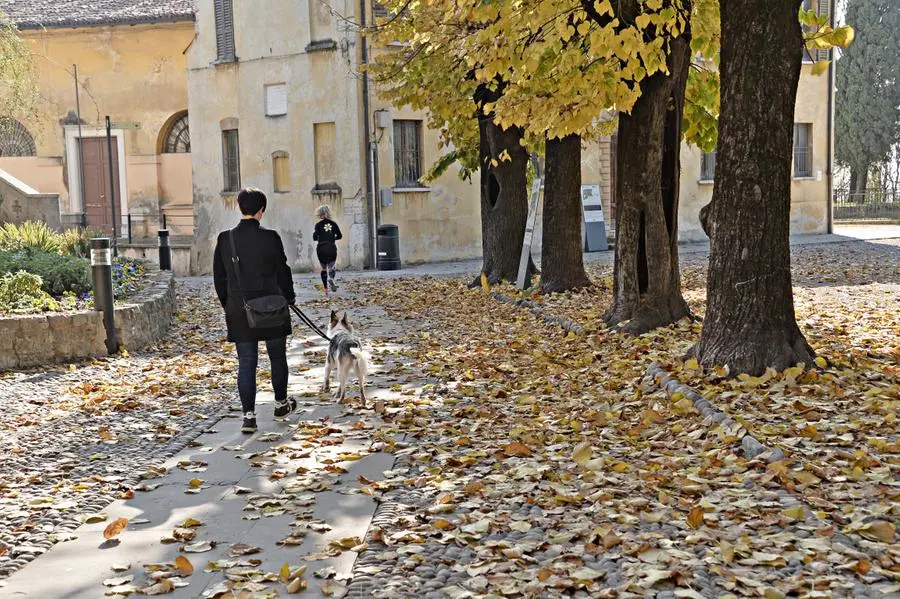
(264,312)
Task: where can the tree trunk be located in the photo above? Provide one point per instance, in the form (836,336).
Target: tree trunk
(750,323)
(859,180)
(562,256)
(646,275)
(504,196)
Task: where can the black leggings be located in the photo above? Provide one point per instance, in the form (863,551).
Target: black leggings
(327,254)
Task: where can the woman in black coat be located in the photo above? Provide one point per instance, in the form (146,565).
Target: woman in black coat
(263,271)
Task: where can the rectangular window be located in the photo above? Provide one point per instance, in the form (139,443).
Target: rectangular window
(325,142)
(281,172)
(407,153)
(231,160)
(276,99)
(802,150)
(224,10)
(708,166)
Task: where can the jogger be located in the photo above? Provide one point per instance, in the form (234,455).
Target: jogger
(326,234)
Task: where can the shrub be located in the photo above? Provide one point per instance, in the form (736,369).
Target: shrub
(31,235)
(22,292)
(59,273)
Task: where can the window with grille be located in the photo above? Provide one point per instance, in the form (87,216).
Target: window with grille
(407,153)
(231,160)
(802,150)
(224,10)
(15,140)
(708,166)
(178,139)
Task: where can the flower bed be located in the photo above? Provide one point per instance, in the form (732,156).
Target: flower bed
(45,271)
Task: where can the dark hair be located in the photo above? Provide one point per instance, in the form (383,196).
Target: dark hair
(251,201)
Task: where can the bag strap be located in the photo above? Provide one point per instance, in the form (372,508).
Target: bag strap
(236,261)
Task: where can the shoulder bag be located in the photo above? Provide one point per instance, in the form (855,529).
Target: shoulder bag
(264,312)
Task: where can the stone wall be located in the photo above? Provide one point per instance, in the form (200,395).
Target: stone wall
(20,203)
(37,339)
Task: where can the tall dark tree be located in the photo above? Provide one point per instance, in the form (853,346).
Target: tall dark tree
(867,100)
(562,258)
(646,275)
(750,323)
(504,194)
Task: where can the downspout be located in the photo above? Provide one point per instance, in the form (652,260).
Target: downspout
(367,135)
(829,173)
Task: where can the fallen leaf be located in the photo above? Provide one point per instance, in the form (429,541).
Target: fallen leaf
(695,517)
(115,528)
(879,530)
(184,566)
(199,547)
(115,582)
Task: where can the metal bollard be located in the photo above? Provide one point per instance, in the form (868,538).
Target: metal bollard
(101,272)
(165,251)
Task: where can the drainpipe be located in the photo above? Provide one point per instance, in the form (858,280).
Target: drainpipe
(829,173)
(367,135)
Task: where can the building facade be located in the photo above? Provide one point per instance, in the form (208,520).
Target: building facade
(277,102)
(130,64)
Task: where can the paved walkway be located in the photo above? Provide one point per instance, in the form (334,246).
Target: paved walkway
(842,234)
(247,505)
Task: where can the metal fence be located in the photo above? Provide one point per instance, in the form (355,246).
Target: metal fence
(881,205)
(145,226)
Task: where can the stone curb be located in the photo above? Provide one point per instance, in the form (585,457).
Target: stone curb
(752,447)
(565,324)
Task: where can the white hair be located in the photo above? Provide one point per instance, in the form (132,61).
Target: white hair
(323,211)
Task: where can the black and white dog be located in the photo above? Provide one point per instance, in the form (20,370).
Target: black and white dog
(345,354)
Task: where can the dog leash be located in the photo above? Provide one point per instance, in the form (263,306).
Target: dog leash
(308,322)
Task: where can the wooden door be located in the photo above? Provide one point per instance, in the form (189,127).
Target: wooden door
(97,197)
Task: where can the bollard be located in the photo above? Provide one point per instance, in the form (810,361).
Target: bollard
(101,272)
(165,251)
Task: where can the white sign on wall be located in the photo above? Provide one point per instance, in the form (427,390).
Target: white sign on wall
(276,99)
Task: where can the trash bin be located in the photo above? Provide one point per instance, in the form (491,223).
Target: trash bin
(388,247)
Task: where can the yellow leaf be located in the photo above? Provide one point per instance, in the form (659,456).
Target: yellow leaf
(820,67)
(727,550)
(796,513)
(442,524)
(184,566)
(821,362)
(879,530)
(284,575)
(195,483)
(484,283)
(296,586)
(191,523)
(692,364)
(582,453)
(695,517)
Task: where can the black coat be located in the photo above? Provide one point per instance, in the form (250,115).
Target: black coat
(264,271)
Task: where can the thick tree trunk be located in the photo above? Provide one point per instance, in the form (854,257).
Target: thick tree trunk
(750,323)
(646,275)
(504,197)
(562,257)
(859,180)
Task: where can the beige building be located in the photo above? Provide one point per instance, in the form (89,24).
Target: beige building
(277,102)
(129,57)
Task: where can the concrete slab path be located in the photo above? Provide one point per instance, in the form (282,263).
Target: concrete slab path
(295,479)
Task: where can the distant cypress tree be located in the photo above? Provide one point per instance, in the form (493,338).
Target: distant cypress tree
(867,100)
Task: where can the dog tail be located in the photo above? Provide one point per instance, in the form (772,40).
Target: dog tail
(361,359)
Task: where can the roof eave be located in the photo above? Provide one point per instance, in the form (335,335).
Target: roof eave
(32,26)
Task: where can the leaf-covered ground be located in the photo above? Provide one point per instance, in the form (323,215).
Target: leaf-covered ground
(548,467)
(528,462)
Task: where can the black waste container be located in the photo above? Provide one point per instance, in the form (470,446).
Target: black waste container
(388,247)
